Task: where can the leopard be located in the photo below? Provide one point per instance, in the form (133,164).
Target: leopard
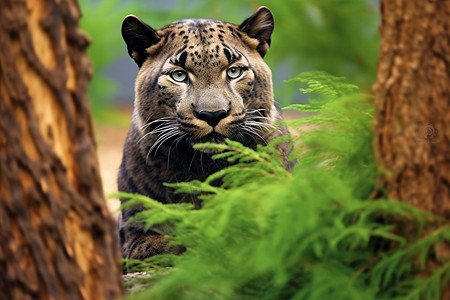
(199,80)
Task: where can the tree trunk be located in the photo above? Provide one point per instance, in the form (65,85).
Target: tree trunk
(57,237)
(412,100)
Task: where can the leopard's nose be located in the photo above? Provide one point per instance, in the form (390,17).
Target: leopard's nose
(211,117)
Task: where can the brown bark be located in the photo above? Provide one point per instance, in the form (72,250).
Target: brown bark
(57,238)
(412,99)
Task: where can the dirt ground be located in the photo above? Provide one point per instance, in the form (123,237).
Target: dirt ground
(110,141)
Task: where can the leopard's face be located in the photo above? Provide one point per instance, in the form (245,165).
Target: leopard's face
(202,80)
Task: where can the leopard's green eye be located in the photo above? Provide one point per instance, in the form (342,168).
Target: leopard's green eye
(234,72)
(178,75)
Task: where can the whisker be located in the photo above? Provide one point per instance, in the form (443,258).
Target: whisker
(164,128)
(158,130)
(259,124)
(167,124)
(164,137)
(148,133)
(250,134)
(160,120)
(256,111)
(201,161)
(250,117)
(192,160)
(242,136)
(176,141)
(253,132)
(147,119)
(161,139)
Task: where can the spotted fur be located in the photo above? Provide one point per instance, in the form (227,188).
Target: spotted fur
(172,112)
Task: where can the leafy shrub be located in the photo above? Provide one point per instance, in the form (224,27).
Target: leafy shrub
(310,234)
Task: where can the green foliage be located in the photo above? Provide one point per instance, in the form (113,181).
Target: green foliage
(104,32)
(102,21)
(311,234)
(339,37)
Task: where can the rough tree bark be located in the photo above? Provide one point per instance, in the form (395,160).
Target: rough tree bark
(412,100)
(57,238)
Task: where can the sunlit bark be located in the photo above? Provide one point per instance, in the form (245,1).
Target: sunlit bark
(57,236)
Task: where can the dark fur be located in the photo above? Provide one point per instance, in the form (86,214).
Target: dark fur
(204,48)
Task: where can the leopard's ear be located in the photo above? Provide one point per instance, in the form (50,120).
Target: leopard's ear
(259,26)
(138,36)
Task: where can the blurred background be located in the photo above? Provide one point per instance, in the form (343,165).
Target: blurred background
(336,36)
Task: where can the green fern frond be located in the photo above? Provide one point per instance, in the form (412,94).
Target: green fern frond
(247,164)
(324,84)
